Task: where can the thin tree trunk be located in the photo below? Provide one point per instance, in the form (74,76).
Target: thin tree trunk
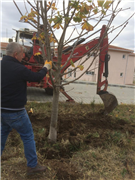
(54,116)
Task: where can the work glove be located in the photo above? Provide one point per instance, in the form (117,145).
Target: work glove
(48,64)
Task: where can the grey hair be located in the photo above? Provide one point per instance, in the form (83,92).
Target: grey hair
(12,48)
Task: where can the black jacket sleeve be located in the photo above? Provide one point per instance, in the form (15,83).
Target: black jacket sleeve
(28,75)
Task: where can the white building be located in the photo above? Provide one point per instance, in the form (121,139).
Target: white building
(121,67)
(2,49)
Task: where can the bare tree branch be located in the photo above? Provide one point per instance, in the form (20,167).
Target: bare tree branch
(31,5)
(22,14)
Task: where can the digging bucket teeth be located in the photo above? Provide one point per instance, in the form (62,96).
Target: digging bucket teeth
(109,100)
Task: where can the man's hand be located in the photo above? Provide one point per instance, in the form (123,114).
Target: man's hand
(48,65)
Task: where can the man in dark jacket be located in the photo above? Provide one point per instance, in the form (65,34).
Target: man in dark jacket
(14,77)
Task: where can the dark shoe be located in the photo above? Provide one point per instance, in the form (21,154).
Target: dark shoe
(36,169)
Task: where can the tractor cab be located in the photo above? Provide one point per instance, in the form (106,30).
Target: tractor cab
(33,50)
(24,36)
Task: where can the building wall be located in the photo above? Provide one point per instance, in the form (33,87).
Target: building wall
(2,53)
(130,70)
(134,69)
(91,77)
(121,69)
(3,49)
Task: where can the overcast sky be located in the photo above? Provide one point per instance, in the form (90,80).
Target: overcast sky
(9,19)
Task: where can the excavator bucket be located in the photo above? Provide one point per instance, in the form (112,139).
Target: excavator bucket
(109,100)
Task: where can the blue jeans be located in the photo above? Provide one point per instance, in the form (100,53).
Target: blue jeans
(21,123)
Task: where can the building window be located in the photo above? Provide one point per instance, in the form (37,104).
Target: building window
(121,74)
(70,73)
(3,53)
(91,54)
(88,55)
(74,73)
(124,56)
(90,73)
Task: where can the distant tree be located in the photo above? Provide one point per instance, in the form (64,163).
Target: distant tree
(73,19)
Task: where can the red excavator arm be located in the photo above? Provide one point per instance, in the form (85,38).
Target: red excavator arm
(109,100)
(80,51)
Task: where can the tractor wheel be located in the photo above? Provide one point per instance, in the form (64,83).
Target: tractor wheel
(49,91)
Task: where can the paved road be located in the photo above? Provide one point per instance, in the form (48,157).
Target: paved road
(84,93)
